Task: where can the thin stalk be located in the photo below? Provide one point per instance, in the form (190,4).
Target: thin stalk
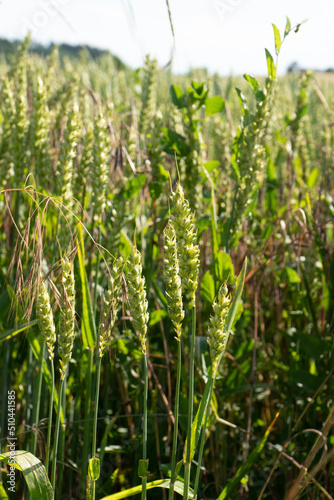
(214,229)
(16,218)
(187,464)
(29,387)
(48,440)
(89,384)
(55,443)
(87,427)
(144,479)
(176,422)
(37,398)
(97,268)
(54,249)
(201,449)
(62,444)
(231,220)
(97,396)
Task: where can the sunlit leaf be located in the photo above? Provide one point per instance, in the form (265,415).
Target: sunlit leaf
(270,65)
(214,105)
(278,41)
(33,472)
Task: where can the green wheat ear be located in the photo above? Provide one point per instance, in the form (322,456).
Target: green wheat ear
(100,166)
(67,314)
(137,296)
(217,335)
(41,140)
(150,69)
(187,249)
(45,318)
(6,143)
(173,280)
(111,301)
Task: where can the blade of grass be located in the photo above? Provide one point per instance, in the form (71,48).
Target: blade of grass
(160,483)
(33,472)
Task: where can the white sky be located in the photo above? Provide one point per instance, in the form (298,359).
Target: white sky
(227,36)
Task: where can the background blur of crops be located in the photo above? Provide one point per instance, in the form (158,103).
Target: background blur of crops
(281,357)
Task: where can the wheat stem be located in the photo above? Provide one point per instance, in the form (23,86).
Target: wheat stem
(187,464)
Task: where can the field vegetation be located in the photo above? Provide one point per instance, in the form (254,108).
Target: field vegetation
(166,280)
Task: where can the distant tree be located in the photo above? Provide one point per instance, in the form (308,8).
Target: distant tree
(293,67)
(9,48)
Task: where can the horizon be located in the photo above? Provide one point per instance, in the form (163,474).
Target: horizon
(34,45)
(224,36)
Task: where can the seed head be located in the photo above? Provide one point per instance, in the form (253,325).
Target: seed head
(173,280)
(45,318)
(137,297)
(187,249)
(67,312)
(217,335)
(111,301)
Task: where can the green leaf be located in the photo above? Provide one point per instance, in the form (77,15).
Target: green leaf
(162,175)
(178,467)
(177,96)
(87,322)
(199,418)
(143,468)
(197,94)
(160,483)
(243,470)
(198,87)
(7,334)
(312,346)
(174,142)
(299,25)
(135,185)
(312,178)
(290,276)
(94,468)
(287,27)
(270,65)
(271,186)
(235,303)
(213,105)
(34,474)
(224,267)
(253,83)
(3,494)
(243,102)
(156,316)
(210,166)
(302,111)
(208,287)
(278,41)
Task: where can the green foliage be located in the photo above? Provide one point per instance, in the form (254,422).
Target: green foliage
(33,472)
(256,165)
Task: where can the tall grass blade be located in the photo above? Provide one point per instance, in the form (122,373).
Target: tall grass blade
(160,483)
(88,323)
(33,472)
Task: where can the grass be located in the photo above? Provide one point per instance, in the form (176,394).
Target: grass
(96,168)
